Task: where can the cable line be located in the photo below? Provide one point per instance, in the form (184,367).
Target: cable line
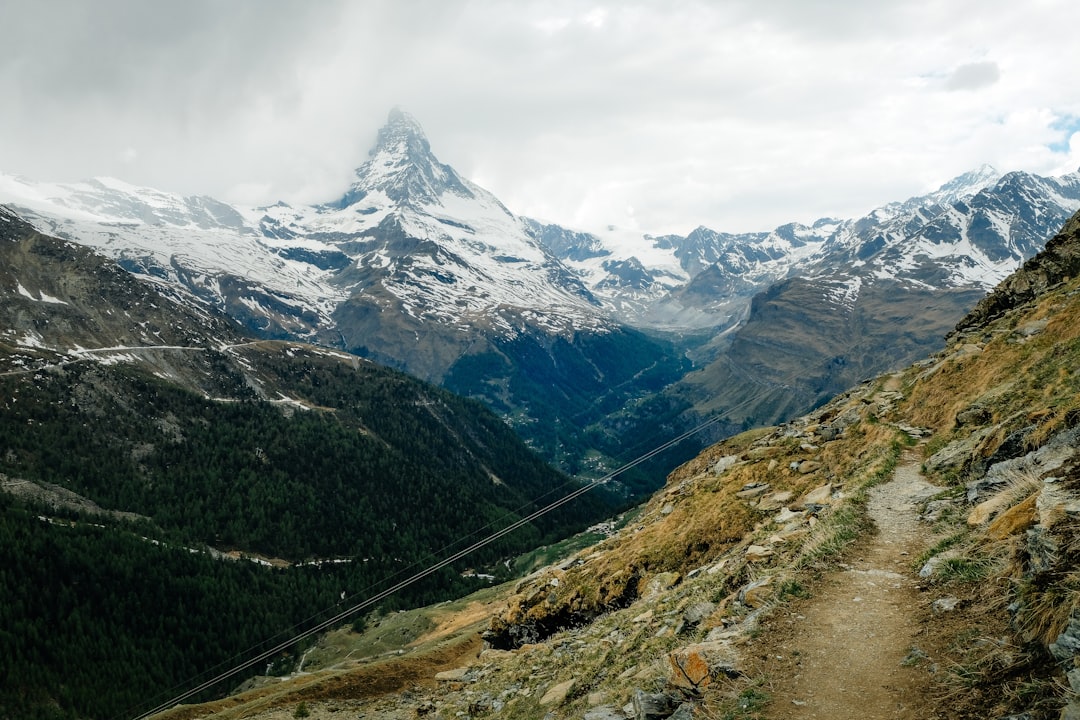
(431,569)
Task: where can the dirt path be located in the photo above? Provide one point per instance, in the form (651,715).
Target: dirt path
(843,657)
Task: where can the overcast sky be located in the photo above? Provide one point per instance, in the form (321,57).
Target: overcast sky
(658,116)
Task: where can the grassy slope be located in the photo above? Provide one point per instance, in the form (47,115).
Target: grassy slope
(624,598)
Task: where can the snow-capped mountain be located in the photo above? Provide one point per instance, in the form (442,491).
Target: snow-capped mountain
(413,266)
(419,268)
(971,232)
(409,233)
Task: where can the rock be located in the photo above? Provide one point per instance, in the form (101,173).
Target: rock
(697,666)
(821,495)
(792,531)
(946,604)
(957,454)
(684,712)
(456,675)
(1070,711)
(775,501)
(556,694)
(935,509)
(643,617)
(725,463)
(756,593)
(915,432)
(965,350)
(828,433)
(1054,504)
(653,706)
(935,562)
(425,708)
(697,612)
(758,553)
(667,509)
(1042,550)
(752,490)
(785,516)
(1039,463)
(1067,645)
(605,712)
(808,466)
(974,415)
(847,418)
(1034,327)
(718,567)
(982,512)
(1074,680)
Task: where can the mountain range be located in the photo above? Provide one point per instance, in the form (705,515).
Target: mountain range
(907,549)
(187,381)
(571,335)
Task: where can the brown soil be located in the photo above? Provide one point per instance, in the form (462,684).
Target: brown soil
(841,653)
(363,682)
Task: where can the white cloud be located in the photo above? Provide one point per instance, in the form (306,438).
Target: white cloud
(738,115)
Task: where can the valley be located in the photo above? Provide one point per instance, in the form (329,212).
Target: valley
(349,392)
(905,550)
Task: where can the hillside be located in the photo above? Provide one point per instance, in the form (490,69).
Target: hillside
(909,543)
(147,446)
(412,266)
(589,345)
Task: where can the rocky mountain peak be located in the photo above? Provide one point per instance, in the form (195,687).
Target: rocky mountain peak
(401,135)
(403,168)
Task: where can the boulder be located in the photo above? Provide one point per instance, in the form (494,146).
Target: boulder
(935,562)
(724,463)
(557,694)
(957,454)
(821,495)
(654,706)
(974,415)
(752,490)
(697,666)
(758,553)
(982,512)
(1067,645)
(756,593)
(460,674)
(1054,504)
(605,712)
(697,612)
(683,712)
(775,501)
(808,466)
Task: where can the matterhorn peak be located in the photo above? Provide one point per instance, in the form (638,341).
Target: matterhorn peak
(402,135)
(403,168)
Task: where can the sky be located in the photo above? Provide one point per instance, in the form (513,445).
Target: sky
(654,116)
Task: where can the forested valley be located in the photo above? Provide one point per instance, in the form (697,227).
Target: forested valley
(355,464)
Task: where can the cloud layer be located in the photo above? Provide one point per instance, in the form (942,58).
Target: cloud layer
(662,116)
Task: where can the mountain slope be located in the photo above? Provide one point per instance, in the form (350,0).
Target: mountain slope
(143,444)
(702,600)
(413,266)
